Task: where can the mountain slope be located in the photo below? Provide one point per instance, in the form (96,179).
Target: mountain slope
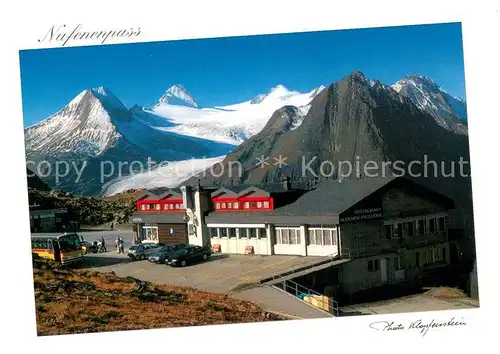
(450,112)
(35,182)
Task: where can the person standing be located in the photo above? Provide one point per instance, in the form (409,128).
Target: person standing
(103,245)
(117,243)
(121,244)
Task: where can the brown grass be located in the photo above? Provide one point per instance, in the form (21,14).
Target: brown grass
(446,293)
(73,301)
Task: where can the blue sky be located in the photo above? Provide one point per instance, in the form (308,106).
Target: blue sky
(229,70)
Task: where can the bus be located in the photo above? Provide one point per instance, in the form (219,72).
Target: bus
(63,248)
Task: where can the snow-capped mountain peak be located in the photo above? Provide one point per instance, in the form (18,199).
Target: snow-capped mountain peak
(83,126)
(449,111)
(107,98)
(316,91)
(179,96)
(277,93)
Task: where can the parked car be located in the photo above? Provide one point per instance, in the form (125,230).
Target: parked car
(188,255)
(161,255)
(143,251)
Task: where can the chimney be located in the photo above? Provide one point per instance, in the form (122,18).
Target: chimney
(187,197)
(287,184)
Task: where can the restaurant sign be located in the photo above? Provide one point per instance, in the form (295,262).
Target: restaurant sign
(362,214)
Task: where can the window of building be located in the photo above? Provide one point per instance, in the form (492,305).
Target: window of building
(266,204)
(252,233)
(150,233)
(388,231)
(223,205)
(432,225)
(246,205)
(243,233)
(398,231)
(400,262)
(441,224)
(259,205)
(322,236)
(223,232)
(230,205)
(143,207)
(232,232)
(253,205)
(288,235)
(214,232)
(410,228)
(410,260)
(294,237)
(217,205)
(157,206)
(262,233)
(235,205)
(428,257)
(374,265)
(437,254)
(421,227)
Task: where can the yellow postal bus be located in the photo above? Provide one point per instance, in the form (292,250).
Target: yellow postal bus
(63,249)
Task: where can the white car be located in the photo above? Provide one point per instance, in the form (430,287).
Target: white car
(143,250)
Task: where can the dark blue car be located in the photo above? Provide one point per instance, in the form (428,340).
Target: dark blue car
(162,254)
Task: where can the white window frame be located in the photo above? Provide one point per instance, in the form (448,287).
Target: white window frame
(229,232)
(286,239)
(217,234)
(246,233)
(319,234)
(144,228)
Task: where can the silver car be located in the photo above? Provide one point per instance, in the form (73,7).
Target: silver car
(143,250)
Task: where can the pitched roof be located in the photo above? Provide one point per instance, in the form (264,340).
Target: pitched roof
(335,196)
(160,192)
(276,188)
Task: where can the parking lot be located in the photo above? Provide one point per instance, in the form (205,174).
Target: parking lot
(221,273)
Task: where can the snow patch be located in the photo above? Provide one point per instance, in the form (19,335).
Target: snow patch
(169,175)
(230,124)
